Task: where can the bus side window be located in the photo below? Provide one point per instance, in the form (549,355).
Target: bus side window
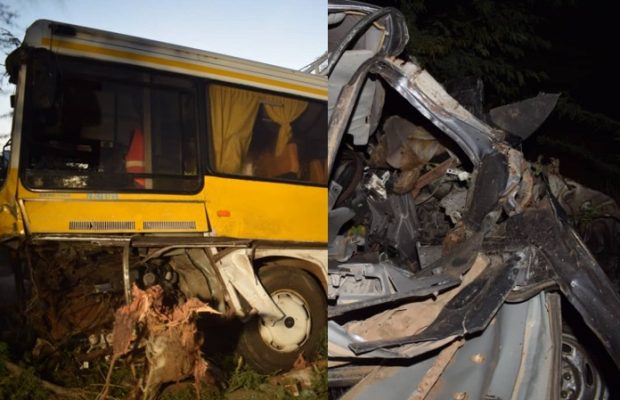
(265,135)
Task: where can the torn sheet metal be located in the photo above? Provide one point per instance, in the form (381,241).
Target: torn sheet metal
(479,226)
(484,368)
(468,312)
(403,320)
(524,117)
(577,273)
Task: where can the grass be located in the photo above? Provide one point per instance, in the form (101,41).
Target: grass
(243,383)
(23,387)
(240,382)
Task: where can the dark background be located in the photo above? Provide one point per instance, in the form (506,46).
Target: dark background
(522,47)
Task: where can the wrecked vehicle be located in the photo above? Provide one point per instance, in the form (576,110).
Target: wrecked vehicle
(450,259)
(136,163)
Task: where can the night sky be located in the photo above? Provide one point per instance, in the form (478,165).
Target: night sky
(582,57)
(582,62)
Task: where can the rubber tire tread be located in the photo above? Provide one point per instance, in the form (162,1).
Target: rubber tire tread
(263,358)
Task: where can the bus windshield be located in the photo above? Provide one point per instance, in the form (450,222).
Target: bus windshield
(112,127)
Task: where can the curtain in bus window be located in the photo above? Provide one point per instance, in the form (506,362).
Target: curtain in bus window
(284,111)
(233,112)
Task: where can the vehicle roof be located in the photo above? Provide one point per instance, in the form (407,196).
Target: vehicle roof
(79,41)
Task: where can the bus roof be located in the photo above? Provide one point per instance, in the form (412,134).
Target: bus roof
(91,43)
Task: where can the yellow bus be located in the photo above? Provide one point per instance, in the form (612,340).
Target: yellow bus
(139,162)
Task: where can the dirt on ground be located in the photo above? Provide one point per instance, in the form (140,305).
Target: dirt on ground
(155,352)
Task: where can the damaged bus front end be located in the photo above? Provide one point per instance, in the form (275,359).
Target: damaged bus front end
(449,256)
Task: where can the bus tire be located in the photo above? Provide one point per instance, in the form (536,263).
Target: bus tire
(270,349)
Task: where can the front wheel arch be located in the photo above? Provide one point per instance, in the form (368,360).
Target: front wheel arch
(298,293)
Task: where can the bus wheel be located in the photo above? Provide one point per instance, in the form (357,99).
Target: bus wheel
(273,347)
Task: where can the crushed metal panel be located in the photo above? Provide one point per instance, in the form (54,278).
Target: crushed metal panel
(524,117)
(577,273)
(368,106)
(509,211)
(483,368)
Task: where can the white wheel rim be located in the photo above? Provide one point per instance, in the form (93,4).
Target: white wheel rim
(292,331)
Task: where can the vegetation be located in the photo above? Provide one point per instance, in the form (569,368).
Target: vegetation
(8,41)
(521,47)
(239,382)
(481,38)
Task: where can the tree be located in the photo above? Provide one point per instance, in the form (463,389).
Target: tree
(521,47)
(492,40)
(8,42)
